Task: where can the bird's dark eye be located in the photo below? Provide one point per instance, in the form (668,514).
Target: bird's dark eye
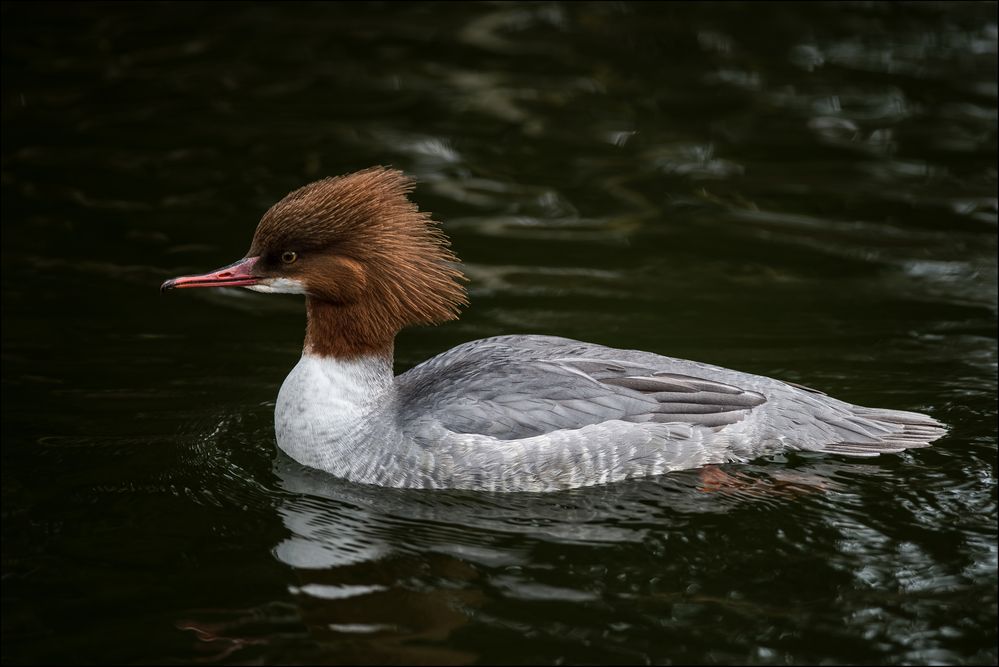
(289,256)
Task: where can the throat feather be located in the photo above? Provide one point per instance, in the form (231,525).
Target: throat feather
(347,331)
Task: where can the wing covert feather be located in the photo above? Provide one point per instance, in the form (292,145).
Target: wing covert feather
(478,391)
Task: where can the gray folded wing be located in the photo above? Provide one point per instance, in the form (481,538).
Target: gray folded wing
(521,398)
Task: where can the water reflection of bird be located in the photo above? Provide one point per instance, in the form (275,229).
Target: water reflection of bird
(391,576)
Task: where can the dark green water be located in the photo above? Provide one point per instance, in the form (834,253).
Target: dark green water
(806,192)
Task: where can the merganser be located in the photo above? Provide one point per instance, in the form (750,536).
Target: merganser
(508,413)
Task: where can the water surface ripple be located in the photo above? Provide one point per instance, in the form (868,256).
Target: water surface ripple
(802,191)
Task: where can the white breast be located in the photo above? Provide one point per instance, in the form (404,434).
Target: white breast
(323,405)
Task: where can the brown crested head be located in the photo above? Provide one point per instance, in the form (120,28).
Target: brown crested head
(369,261)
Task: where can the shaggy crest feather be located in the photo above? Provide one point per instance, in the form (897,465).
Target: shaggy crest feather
(373,262)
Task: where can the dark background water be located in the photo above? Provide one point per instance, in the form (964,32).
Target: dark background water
(802,191)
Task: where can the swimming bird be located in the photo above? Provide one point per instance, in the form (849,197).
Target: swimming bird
(507,413)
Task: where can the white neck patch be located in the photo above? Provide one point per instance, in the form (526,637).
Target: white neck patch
(279,286)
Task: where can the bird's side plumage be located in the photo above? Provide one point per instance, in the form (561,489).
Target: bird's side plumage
(510,413)
(625,413)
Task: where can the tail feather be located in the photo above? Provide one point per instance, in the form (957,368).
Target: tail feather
(888,431)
